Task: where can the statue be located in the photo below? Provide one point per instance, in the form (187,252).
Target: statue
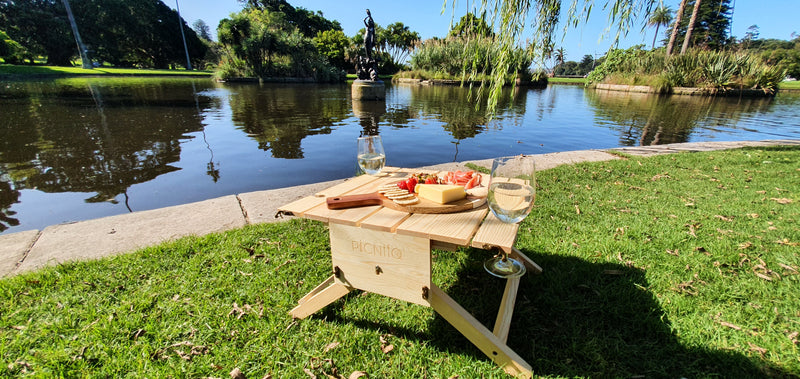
(368,86)
(369,34)
(367,67)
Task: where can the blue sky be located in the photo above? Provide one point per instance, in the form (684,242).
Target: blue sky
(775,19)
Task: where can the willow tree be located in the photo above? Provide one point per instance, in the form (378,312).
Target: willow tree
(510,17)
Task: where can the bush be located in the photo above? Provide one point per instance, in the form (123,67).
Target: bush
(707,69)
(457,57)
(11,51)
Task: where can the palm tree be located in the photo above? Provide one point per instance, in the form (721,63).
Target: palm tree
(660,16)
(691,27)
(677,25)
(560,54)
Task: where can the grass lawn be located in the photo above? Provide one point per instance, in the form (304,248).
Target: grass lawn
(681,265)
(22,71)
(567,80)
(794,85)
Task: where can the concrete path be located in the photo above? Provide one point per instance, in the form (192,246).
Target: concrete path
(30,250)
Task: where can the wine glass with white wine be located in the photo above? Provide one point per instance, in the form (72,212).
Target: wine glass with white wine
(371,157)
(512,191)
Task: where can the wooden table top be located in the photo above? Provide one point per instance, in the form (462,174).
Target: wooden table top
(477,227)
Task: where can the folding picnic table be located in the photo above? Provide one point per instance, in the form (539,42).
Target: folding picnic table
(388,252)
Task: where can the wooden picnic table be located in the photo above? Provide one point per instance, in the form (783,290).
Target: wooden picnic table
(388,252)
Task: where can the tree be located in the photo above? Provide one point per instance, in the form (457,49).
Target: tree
(512,18)
(201,28)
(398,40)
(674,35)
(334,44)
(690,28)
(470,25)
(307,22)
(711,27)
(661,16)
(586,65)
(122,32)
(11,51)
(262,43)
(560,54)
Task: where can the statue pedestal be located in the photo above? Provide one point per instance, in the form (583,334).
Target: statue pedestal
(368,90)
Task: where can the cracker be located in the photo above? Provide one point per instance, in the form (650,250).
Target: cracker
(400,196)
(411,201)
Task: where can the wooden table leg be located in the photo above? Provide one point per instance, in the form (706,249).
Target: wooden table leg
(478,334)
(529,263)
(503,322)
(324,294)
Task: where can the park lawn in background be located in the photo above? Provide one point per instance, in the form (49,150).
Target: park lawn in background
(794,85)
(682,265)
(553,80)
(22,71)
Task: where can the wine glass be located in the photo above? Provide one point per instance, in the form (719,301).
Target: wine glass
(371,157)
(512,191)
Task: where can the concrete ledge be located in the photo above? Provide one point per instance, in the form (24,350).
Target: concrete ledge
(13,248)
(116,234)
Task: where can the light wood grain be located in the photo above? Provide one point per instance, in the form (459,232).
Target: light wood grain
(503,322)
(495,233)
(456,228)
(319,300)
(479,335)
(393,265)
(385,219)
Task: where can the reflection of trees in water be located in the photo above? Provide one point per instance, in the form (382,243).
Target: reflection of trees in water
(644,119)
(8,196)
(463,111)
(279,116)
(95,139)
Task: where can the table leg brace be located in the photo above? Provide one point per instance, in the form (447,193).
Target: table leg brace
(478,334)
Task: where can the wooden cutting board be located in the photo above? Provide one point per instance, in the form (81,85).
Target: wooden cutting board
(423,206)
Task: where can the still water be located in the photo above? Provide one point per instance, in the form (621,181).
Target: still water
(77,149)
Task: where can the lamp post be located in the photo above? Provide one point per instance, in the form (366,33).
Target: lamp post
(85,62)
(183,36)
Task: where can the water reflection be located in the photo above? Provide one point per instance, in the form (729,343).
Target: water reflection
(643,119)
(280,117)
(92,136)
(369,113)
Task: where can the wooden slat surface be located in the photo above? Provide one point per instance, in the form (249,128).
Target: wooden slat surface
(456,228)
(385,219)
(495,233)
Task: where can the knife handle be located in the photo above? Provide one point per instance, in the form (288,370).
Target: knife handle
(352,201)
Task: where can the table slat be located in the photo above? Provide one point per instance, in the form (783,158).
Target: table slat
(457,228)
(495,233)
(386,219)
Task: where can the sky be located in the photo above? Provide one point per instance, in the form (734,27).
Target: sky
(775,19)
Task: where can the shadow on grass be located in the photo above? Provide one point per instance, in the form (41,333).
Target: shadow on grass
(579,319)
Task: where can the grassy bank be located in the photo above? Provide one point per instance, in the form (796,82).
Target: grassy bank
(22,71)
(681,265)
(554,80)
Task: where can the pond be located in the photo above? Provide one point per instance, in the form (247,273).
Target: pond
(82,148)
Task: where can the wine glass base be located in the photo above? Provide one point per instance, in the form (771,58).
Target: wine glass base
(509,268)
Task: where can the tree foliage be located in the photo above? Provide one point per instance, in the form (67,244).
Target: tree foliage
(307,22)
(141,33)
(711,27)
(510,17)
(11,51)
(263,43)
(470,25)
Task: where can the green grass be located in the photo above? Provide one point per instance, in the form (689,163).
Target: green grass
(680,265)
(566,80)
(22,71)
(794,85)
